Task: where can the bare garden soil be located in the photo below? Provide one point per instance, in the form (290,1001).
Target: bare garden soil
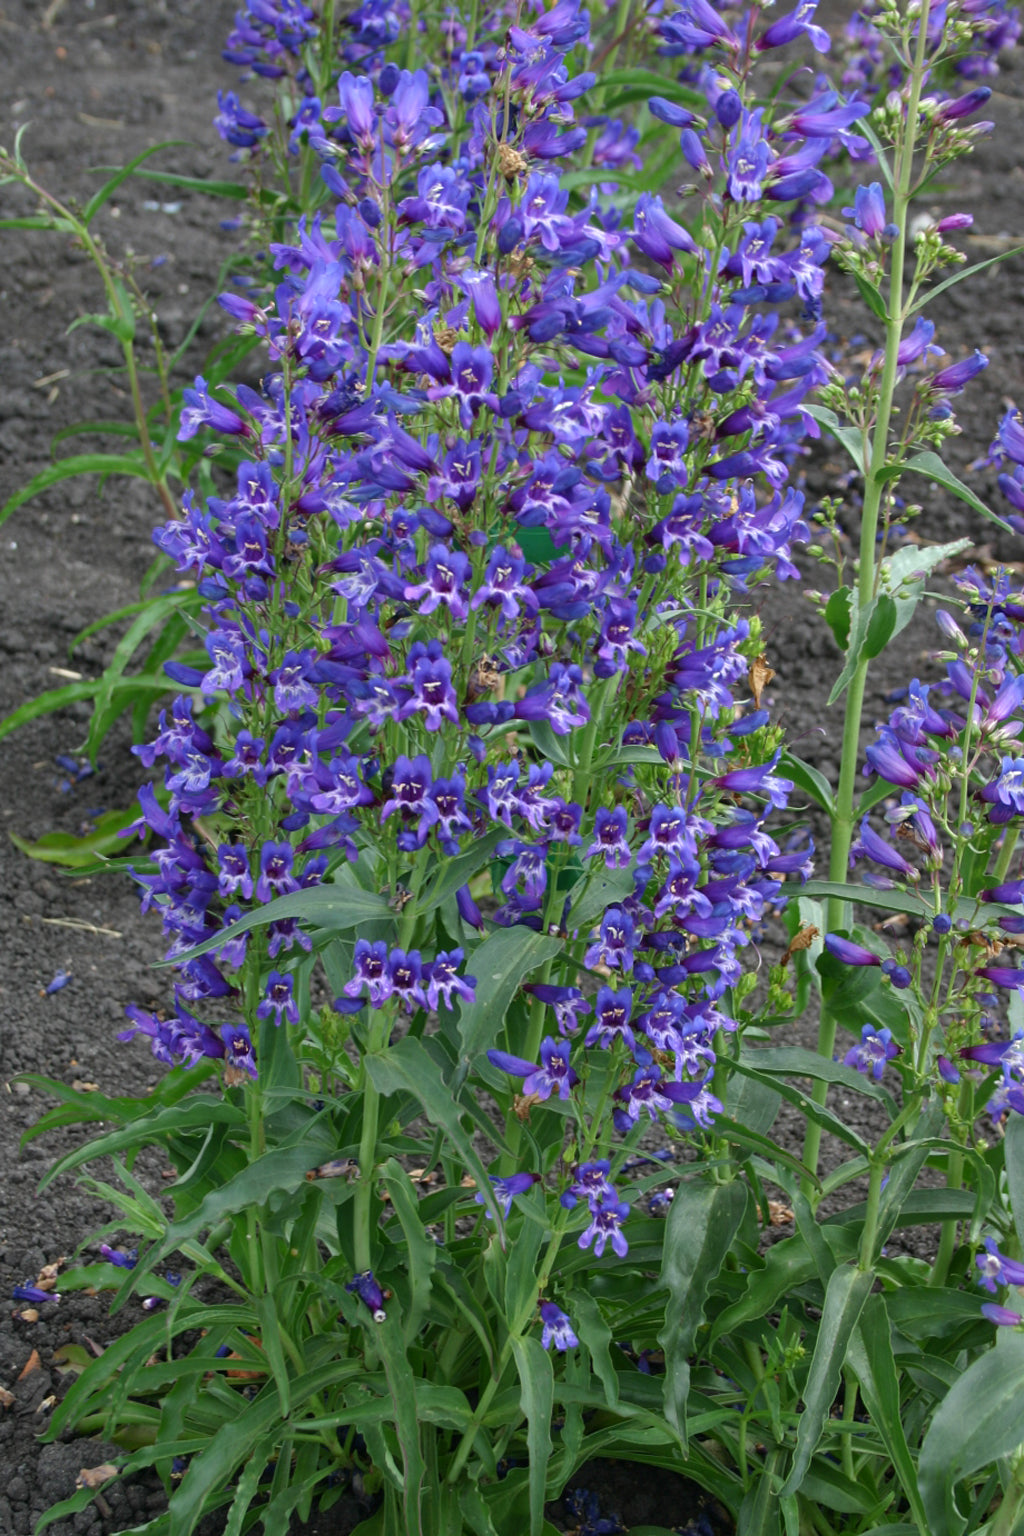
(100,80)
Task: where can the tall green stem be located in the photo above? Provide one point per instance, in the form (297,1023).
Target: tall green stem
(874,490)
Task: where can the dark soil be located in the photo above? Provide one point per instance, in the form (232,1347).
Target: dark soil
(105,80)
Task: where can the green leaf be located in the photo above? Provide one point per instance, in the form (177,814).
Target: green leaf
(420,1250)
(333,908)
(536,1398)
(402,1387)
(76,464)
(932,467)
(977,1423)
(871,1359)
(872,297)
(702,1221)
(500,964)
(47,703)
(848,1289)
(121,175)
(230,189)
(958,277)
(548,744)
(198,1112)
(838,615)
(231,1443)
(905,1168)
(759,1512)
(78,852)
(408,1067)
(455,873)
(852,438)
(809,779)
(819,1113)
(282,1170)
(1013,1152)
(589,1322)
(797,1061)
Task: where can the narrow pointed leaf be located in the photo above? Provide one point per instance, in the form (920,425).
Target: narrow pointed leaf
(848,1289)
(702,1221)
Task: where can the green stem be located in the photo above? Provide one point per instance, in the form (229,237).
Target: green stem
(869,1233)
(947,1237)
(874,490)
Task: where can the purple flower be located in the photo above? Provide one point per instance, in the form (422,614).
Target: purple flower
(275,878)
(119,1259)
(606,1226)
(506,1189)
(849,952)
(568,1004)
(279,999)
(951,380)
(371,972)
(238,1051)
(995,1269)
(430,683)
(557,1327)
(875,1049)
(591,1183)
(369,1292)
(34,1294)
(559,700)
(799,22)
(199,409)
(614,945)
(553,1074)
(612,1015)
(868,211)
(444,981)
(1001,1316)
(611,838)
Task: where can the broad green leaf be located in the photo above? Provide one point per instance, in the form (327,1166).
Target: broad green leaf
(838,615)
(808,778)
(798,1061)
(871,1358)
(455,873)
(536,1399)
(332,908)
(848,1289)
(589,1323)
(819,1113)
(852,438)
(505,959)
(978,1422)
(702,1221)
(407,1067)
(871,296)
(196,1113)
(282,1170)
(77,464)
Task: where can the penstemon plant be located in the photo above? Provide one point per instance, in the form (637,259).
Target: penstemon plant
(474,812)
